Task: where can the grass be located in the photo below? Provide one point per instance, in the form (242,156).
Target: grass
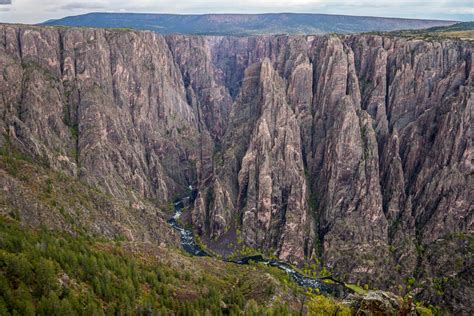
(356,288)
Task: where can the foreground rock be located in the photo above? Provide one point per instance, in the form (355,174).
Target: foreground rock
(380,303)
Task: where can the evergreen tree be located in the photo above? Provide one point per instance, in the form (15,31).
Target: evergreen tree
(46,277)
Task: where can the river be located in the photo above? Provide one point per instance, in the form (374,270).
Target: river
(189,244)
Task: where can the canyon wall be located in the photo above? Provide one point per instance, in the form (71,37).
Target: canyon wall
(353,149)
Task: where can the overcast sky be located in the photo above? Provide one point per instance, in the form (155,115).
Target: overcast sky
(34,11)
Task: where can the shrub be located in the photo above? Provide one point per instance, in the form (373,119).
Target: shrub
(322,305)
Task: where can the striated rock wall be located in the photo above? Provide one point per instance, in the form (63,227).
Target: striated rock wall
(386,142)
(354,149)
(109,107)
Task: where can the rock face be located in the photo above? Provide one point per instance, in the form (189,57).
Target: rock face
(380,303)
(272,186)
(110,107)
(356,150)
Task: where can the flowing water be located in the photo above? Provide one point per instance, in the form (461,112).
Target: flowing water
(190,246)
(187,238)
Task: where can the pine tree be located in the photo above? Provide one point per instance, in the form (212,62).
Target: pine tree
(46,277)
(23,302)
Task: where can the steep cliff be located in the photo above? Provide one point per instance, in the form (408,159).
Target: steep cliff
(356,150)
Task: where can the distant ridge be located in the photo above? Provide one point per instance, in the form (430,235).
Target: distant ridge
(246,24)
(463,30)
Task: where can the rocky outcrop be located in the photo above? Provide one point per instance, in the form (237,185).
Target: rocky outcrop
(381,303)
(373,116)
(356,150)
(272,186)
(108,106)
(343,161)
(204,89)
(40,197)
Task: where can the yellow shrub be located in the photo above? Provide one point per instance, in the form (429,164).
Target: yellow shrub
(319,305)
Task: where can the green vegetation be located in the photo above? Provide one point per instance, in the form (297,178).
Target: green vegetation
(356,288)
(244,251)
(423,311)
(51,273)
(122,29)
(315,269)
(463,31)
(323,305)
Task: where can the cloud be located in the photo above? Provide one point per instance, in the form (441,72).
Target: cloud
(81,6)
(34,11)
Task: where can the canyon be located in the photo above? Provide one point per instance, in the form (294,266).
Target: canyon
(354,150)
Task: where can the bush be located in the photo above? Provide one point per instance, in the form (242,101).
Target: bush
(423,311)
(322,305)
